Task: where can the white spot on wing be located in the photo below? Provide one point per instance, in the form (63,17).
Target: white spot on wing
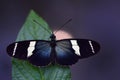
(31,48)
(91,46)
(75,46)
(15,49)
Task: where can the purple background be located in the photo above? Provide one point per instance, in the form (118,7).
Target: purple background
(94,19)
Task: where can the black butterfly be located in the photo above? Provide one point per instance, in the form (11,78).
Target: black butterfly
(63,52)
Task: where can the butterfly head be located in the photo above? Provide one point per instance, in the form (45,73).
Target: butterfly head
(53,37)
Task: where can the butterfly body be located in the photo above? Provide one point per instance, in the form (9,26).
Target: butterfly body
(63,52)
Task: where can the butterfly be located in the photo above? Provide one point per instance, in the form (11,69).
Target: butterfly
(63,52)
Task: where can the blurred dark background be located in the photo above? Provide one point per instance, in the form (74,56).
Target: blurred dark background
(93,19)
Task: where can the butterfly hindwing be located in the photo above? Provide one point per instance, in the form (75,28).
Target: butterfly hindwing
(36,52)
(65,54)
(70,50)
(42,52)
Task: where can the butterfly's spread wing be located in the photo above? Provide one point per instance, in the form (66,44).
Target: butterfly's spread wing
(36,52)
(70,50)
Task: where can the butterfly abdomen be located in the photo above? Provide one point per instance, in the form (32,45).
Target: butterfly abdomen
(53,52)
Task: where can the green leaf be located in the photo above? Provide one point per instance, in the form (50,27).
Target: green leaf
(36,28)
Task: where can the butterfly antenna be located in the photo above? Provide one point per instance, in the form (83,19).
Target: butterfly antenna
(42,26)
(63,25)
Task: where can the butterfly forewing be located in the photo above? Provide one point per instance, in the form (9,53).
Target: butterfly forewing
(87,47)
(37,52)
(18,49)
(70,50)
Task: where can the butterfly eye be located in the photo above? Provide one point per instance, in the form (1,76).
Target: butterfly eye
(52,37)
